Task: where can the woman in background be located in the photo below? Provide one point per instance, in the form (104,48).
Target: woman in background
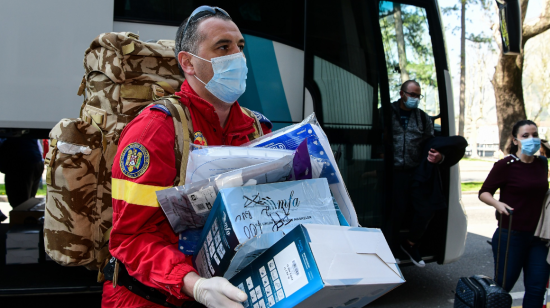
(522,180)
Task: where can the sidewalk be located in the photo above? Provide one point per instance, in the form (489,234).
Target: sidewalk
(474,170)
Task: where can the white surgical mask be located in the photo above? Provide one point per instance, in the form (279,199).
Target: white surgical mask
(229,80)
(412,102)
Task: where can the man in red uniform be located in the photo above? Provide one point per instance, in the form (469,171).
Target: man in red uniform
(141,238)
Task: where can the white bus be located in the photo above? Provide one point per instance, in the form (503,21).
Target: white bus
(342,59)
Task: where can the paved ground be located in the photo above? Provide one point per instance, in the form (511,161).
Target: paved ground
(434,285)
(474,171)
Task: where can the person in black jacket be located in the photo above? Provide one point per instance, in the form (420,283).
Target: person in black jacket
(22,164)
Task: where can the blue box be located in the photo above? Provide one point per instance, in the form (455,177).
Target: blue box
(242,213)
(321,266)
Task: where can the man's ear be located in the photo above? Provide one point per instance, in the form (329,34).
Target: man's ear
(184,59)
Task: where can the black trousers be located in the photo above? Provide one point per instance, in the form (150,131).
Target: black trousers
(408,202)
(22,181)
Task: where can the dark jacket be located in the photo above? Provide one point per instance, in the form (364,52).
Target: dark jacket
(427,176)
(407,144)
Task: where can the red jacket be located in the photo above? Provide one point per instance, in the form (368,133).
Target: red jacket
(142,238)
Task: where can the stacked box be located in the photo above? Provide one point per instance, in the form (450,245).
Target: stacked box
(242,213)
(321,266)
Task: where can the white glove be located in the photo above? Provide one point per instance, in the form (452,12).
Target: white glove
(218,292)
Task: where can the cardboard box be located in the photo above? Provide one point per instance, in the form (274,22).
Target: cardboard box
(321,266)
(241,213)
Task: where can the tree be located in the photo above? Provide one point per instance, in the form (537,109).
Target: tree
(400,39)
(463,37)
(507,80)
(477,89)
(537,77)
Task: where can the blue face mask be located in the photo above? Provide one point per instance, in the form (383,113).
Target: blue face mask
(229,80)
(530,146)
(412,103)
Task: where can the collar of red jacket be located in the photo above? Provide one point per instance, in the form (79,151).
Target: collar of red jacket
(237,122)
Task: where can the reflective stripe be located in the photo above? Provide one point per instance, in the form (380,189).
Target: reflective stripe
(135,193)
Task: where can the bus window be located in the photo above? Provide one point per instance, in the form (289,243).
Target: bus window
(409,53)
(343,81)
(272,20)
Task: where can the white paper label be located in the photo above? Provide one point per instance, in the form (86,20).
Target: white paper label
(203,199)
(290,269)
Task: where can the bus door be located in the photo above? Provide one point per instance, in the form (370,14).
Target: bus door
(342,81)
(410,34)
(352,74)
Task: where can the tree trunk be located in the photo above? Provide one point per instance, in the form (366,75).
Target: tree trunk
(462,100)
(507,80)
(508,95)
(400,38)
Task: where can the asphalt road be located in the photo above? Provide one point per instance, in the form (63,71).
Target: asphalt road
(434,285)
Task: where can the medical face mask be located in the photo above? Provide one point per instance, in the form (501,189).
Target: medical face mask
(530,146)
(412,103)
(229,80)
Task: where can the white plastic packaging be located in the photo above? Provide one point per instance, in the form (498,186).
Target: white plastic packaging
(206,162)
(322,160)
(188,206)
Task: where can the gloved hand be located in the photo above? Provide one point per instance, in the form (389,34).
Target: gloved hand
(218,292)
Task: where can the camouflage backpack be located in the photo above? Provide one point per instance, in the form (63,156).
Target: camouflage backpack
(123,76)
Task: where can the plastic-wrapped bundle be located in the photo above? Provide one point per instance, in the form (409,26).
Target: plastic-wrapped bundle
(205,162)
(188,206)
(322,160)
(242,213)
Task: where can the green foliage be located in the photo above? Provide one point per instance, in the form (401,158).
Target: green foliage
(420,64)
(40,192)
(471,186)
(479,38)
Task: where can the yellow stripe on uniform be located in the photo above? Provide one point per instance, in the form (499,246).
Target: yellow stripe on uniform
(135,193)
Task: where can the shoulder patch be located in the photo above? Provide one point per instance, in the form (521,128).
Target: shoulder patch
(162,108)
(263,119)
(134,160)
(199,138)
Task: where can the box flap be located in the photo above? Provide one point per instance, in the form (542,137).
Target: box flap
(364,240)
(338,259)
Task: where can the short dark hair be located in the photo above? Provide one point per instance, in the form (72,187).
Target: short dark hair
(513,148)
(406,84)
(190,40)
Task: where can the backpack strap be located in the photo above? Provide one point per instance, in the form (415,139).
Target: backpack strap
(258,132)
(184,134)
